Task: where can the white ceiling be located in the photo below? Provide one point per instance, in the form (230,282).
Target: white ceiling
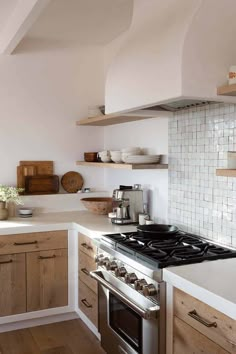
(6,8)
(82,21)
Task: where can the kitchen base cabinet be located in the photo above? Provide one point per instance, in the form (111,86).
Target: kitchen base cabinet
(13,284)
(189,341)
(88,303)
(47,279)
(217,327)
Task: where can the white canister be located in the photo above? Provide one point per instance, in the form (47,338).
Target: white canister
(142,218)
(232,75)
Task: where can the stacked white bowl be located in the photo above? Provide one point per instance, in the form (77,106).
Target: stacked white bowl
(116,156)
(105,156)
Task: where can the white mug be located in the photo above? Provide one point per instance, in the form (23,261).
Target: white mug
(142,219)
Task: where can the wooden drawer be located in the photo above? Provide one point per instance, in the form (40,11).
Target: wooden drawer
(88,303)
(86,245)
(224,331)
(36,241)
(189,341)
(86,264)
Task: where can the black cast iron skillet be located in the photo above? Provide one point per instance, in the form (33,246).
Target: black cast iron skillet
(158,229)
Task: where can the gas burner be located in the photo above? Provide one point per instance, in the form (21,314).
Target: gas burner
(161,251)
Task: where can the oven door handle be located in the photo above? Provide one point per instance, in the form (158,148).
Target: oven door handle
(147,314)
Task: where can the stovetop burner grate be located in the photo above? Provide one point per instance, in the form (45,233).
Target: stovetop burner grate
(163,251)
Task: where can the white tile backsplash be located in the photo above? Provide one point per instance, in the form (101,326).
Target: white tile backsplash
(199,201)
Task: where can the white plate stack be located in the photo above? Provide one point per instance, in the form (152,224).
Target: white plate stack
(142,159)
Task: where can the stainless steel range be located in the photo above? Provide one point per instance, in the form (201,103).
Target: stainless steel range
(132,293)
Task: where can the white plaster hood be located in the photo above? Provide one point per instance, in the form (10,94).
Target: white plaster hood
(174,50)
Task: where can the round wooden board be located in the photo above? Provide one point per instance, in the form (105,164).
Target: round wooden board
(72,182)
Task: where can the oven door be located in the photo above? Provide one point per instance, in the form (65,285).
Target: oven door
(126,327)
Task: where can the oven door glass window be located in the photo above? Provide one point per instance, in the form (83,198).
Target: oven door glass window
(125,322)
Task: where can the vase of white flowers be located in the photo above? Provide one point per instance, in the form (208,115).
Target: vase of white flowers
(8,194)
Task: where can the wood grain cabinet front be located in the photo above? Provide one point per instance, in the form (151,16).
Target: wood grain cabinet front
(189,341)
(33,272)
(86,245)
(86,265)
(13,284)
(206,321)
(88,302)
(47,279)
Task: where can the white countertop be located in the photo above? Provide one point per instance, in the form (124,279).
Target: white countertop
(212,282)
(83,221)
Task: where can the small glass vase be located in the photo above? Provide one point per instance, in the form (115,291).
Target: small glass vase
(3,211)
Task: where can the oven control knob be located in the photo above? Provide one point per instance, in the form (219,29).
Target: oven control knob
(120,272)
(102,261)
(110,265)
(98,257)
(130,278)
(149,290)
(139,284)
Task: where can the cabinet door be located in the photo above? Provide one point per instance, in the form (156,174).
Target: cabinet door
(13,284)
(189,341)
(47,279)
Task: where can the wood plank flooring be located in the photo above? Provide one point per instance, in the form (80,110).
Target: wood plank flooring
(68,337)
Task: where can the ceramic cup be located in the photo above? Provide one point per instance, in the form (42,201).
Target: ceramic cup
(142,219)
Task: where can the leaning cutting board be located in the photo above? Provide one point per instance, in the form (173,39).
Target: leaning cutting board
(42,167)
(44,184)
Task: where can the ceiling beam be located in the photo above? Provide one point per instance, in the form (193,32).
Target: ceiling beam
(22,18)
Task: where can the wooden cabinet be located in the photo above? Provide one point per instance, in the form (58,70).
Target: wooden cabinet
(88,302)
(13,284)
(33,272)
(189,341)
(204,325)
(47,279)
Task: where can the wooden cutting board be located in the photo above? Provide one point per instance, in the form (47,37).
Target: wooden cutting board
(22,172)
(42,184)
(42,167)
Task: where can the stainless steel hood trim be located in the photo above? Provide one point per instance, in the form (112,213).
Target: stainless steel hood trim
(147,314)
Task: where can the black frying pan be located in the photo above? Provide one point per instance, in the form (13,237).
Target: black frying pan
(158,229)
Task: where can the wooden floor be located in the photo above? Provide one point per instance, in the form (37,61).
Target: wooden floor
(69,337)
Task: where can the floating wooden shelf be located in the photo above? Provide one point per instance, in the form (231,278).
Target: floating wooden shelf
(226,172)
(124,166)
(118,118)
(227,90)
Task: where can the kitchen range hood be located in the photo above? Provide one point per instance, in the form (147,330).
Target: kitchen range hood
(174,55)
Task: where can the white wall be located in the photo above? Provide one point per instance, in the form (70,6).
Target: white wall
(152,136)
(44,89)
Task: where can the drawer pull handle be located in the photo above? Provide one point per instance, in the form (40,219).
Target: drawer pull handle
(85,271)
(86,303)
(85,245)
(198,318)
(6,262)
(46,257)
(25,243)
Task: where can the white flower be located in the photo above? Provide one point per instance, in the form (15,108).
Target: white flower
(10,194)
